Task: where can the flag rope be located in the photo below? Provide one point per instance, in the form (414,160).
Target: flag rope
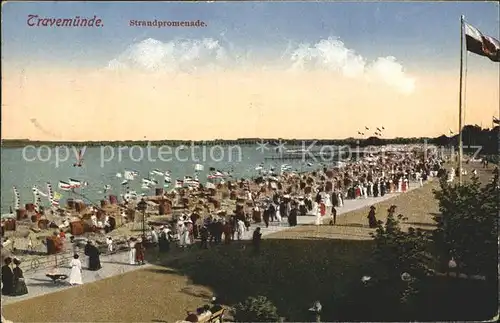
(464,102)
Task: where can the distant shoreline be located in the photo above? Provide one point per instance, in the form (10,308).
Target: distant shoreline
(19,143)
(473,136)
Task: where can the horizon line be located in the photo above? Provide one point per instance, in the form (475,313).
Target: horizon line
(227,140)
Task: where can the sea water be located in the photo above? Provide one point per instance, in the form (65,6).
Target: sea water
(23,168)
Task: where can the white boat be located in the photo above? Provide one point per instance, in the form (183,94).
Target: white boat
(156,172)
(149,181)
(285,167)
(129,175)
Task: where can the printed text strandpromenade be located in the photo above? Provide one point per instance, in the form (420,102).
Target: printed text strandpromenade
(167,23)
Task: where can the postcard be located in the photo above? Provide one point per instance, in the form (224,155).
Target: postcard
(249,161)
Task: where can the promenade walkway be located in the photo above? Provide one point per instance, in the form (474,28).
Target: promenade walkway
(38,284)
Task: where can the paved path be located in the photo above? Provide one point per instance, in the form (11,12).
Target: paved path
(38,284)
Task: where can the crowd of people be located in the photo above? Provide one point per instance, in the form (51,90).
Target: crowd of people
(318,193)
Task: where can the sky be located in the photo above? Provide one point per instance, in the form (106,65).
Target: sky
(290,70)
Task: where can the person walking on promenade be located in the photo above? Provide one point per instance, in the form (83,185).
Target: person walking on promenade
(333,221)
(164,240)
(240,229)
(292,217)
(139,252)
(372,220)
(228,232)
(75,276)
(109,242)
(131,251)
(204,237)
(7,277)
(19,284)
(256,238)
(266,216)
(93,253)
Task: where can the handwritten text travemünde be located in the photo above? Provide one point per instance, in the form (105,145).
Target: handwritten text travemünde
(77,21)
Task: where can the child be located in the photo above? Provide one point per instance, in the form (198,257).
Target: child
(109,242)
(333,221)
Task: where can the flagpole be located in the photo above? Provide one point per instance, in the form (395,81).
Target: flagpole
(498,150)
(460,144)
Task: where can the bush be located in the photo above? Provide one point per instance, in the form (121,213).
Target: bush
(397,251)
(256,309)
(467,226)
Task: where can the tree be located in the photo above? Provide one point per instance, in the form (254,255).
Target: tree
(398,251)
(401,260)
(467,226)
(256,309)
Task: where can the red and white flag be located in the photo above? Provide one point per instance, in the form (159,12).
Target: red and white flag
(74,183)
(478,43)
(214,175)
(64,186)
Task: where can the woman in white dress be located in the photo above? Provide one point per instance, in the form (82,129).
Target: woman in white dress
(318,216)
(75,277)
(181,231)
(278,214)
(341,199)
(315,209)
(185,233)
(240,229)
(131,252)
(328,203)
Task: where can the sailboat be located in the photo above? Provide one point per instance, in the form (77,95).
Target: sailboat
(17,205)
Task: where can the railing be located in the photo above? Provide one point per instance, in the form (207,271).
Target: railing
(63,259)
(47,261)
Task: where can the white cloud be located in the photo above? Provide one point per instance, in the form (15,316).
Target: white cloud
(388,70)
(178,55)
(332,55)
(188,55)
